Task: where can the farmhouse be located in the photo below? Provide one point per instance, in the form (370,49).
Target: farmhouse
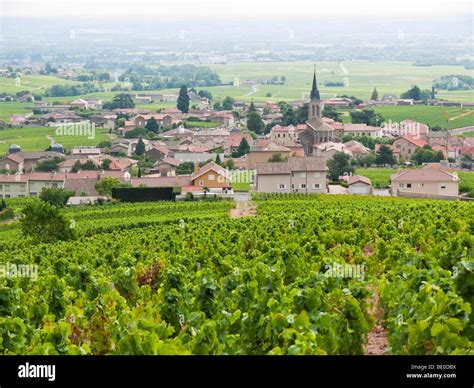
(212,176)
(297,175)
(428,182)
(407,145)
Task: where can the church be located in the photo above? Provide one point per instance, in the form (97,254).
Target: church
(316,130)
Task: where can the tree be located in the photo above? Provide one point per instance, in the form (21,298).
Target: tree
(252,108)
(427,155)
(104,186)
(338,165)
(152,125)
(218,160)
(332,113)
(120,101)
(228,103)
(375,95)
(255,122)
(417,94)
(140,148)
(367,160)
(56,197)
(45,223)
(366,116)
(205,94)
(230,164)
(277,158)
(183,100)
(244,148)
(385,156)
(49,164)
(106,164)
(185,168)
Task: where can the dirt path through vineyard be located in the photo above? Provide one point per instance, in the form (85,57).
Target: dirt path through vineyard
(377,343)
(244,209)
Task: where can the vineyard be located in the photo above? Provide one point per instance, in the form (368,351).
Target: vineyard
(186,278)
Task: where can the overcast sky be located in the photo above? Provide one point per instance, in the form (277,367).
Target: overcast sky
(235,9)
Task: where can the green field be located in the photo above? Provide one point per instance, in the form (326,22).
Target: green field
(36,84)
(431,115)
(380,177)
(469,134)
(36,138)
(202,124)
(363,76)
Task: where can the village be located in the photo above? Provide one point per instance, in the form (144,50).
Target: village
(158,150)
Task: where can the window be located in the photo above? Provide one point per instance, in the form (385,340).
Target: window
(408,185)
(317,175)
(7,188)
(22,187)
(1,187)
(281,186)
(201,183)
(211,177)
(292,186)
(55,185)
(7,195)
(443,186)
(303,186)
(317,185)
(400,185)
(420,185)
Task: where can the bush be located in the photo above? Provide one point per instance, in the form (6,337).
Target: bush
(45,223)
(56,197)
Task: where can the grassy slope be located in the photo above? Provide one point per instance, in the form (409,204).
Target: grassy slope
(35,138)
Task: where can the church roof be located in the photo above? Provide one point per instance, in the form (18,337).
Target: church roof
(317,124)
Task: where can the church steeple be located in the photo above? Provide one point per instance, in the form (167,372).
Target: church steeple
(314,90)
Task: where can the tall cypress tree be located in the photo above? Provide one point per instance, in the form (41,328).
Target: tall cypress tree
(183,100)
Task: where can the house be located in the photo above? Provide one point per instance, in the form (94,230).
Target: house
(175,181)
(31,159)
(157,152)
(359,184)
(284,136)
(213,177)
(407,145)
(339,102)
(86,151)
(427,182)
(297,175)
(262,153)
(166,167)
(142,99)
(104,120)
(60,117)
(13,162)
(329,149)
(362,130)
(24,185)
(79,104)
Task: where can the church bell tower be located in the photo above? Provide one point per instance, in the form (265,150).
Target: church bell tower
(316,106)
